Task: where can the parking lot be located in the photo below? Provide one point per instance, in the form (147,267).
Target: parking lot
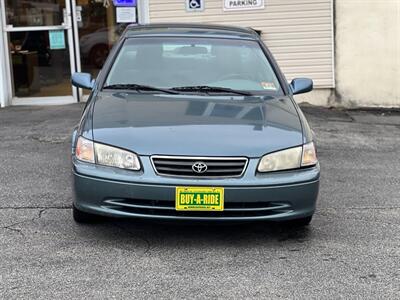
(351,249)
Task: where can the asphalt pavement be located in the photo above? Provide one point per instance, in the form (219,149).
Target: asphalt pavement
(351,249)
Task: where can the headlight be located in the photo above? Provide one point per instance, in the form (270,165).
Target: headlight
(282,160)
(114,157)
(292,158)
(92,152)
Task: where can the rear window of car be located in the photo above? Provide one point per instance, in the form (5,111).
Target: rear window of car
(177,62)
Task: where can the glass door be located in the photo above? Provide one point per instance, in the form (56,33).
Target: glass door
(41,52)
(97,29)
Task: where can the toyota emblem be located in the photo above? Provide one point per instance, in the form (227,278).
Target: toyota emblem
(199,167)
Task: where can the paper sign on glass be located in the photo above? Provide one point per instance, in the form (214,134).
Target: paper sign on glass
(126,14)
(57,39)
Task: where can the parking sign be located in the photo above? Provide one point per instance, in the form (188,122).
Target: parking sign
(194,5)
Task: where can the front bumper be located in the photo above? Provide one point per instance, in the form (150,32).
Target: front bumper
(119,193)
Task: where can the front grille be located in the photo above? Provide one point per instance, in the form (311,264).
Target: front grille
(215,166)
(164,208)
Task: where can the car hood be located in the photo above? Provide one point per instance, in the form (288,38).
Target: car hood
(196,125)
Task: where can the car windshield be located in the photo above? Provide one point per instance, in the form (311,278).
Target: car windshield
(194,64)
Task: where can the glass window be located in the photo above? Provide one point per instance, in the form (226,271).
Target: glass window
(177,62)
(35,12)
(98,31)
(38,69)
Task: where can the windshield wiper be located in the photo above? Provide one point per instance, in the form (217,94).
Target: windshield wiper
(138,87)
(210,89)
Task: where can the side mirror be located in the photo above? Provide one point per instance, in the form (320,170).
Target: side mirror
(301,85)
(82,80)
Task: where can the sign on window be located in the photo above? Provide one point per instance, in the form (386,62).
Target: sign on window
(232,5)
(124,2)
(56,39)
(126,14)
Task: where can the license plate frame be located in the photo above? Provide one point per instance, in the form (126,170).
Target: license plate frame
(189,198)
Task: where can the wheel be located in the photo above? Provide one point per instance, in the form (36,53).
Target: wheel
(299,222)
(83,217)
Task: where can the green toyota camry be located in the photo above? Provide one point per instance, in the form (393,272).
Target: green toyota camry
(193,122)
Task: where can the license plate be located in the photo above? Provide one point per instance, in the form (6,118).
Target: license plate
(199,199)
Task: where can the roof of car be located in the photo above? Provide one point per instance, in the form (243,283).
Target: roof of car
(193,29)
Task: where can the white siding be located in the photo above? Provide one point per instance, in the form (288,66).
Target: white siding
(298,32)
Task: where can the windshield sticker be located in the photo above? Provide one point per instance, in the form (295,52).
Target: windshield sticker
(268,86)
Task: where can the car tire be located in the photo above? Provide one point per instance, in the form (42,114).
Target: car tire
(298,223)
(84,217)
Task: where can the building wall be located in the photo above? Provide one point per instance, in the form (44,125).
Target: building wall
(367,44)
(367,52)
(299,33)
